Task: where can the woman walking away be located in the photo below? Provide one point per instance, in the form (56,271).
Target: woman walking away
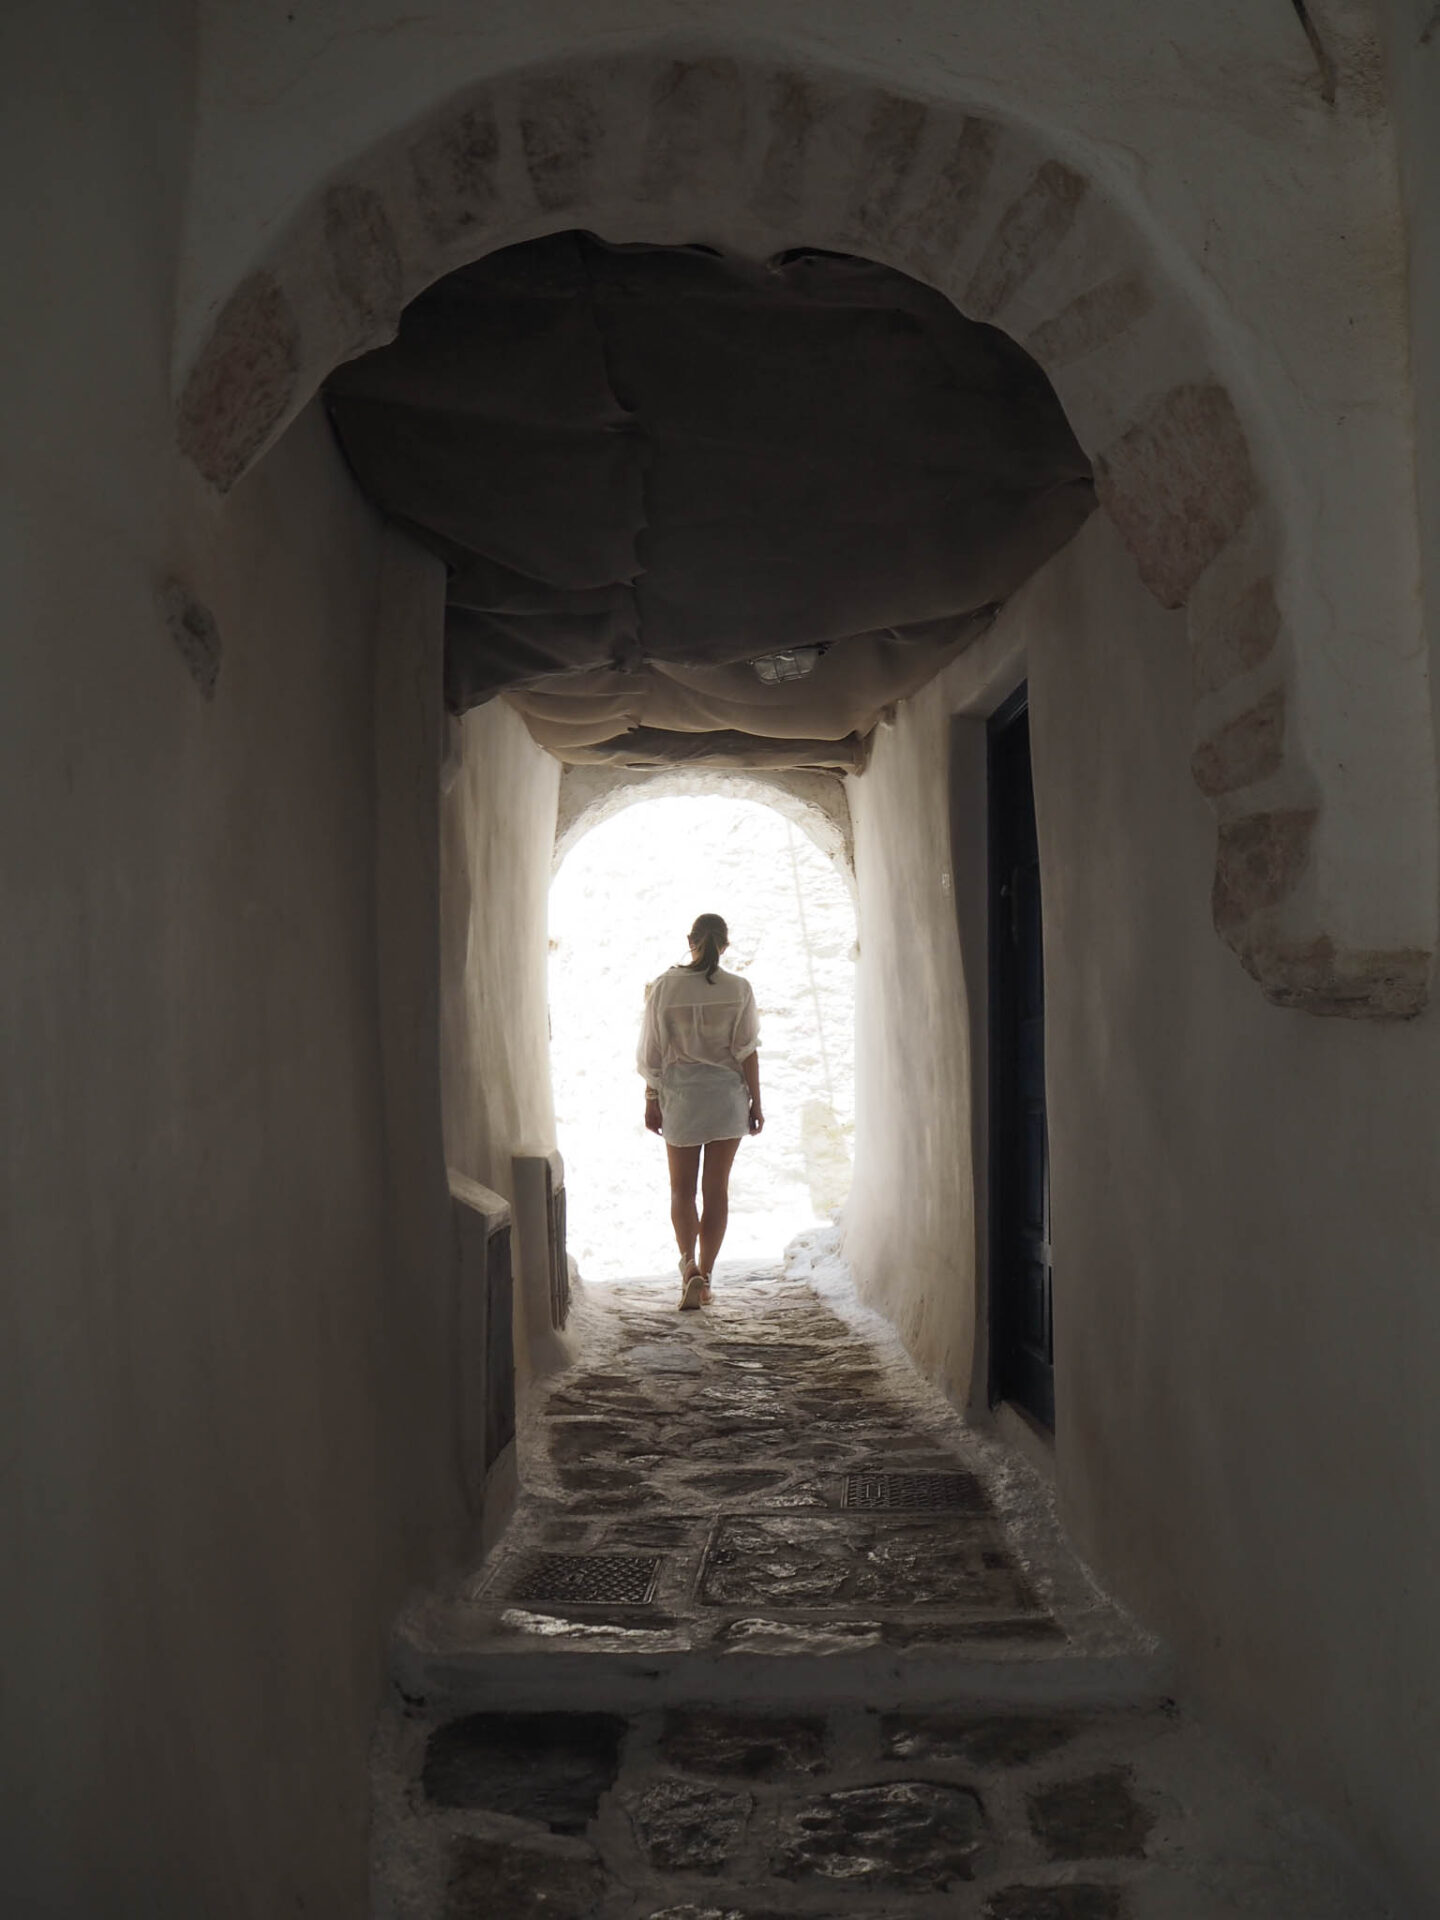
(702,1091)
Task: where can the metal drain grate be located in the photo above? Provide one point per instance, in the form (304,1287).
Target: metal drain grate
(589,1579)
(914,1492)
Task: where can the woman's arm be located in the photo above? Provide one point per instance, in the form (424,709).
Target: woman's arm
(750,1067)
(746,1040)
(648,1058)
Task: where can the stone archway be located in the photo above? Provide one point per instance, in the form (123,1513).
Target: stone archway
(758,158)
(815,802)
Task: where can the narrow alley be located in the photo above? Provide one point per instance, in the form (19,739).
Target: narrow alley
(770,1634)
(606,599)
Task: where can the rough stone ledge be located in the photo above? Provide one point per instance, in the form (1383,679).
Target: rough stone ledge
(1316,977)
(1259,863)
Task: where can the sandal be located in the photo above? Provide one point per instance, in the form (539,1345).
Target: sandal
(694,1292)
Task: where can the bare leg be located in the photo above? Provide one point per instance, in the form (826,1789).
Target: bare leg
(684,1171)
(715,1193)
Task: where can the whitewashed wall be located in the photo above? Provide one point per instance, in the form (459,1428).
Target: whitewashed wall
(1244,1215)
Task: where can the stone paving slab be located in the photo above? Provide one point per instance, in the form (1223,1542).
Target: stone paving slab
(852,1814)
(722,1442)
(818,1710)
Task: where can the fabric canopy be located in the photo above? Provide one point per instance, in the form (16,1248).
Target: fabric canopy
(649,467)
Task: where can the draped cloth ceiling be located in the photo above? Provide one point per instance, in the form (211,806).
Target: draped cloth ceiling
(648,467)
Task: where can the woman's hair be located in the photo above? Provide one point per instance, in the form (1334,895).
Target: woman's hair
(712,936)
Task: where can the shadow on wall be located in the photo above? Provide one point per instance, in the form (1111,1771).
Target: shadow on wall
(620,907)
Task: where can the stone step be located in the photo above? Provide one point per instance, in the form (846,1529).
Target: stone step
(442,1656)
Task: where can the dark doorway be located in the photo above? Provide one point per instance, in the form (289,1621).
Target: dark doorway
(1022,1355)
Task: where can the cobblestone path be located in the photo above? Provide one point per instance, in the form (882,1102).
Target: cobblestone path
(773,1634)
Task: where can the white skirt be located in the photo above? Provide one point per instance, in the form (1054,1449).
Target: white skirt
(702,1103)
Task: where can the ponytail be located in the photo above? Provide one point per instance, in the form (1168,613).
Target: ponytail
(712,936)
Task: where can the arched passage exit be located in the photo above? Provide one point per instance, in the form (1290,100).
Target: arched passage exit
(620,904)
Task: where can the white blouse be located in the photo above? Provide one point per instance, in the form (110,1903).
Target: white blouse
(687,1018)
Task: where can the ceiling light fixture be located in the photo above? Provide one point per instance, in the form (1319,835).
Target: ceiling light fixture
(795,663)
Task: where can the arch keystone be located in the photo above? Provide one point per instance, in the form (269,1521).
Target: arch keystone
(561,132)
(697,122)
(794,109)
(888,148)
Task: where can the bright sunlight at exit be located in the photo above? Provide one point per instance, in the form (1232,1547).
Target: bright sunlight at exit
(620,908)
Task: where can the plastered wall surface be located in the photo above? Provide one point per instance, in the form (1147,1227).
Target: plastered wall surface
(1246,1216)
(1244,1220)
(910,1226)
(1413,65)
(465,813)
(201,1550)
(497,832)
(424,1501)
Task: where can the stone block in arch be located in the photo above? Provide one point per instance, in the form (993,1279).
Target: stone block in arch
(760,157)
